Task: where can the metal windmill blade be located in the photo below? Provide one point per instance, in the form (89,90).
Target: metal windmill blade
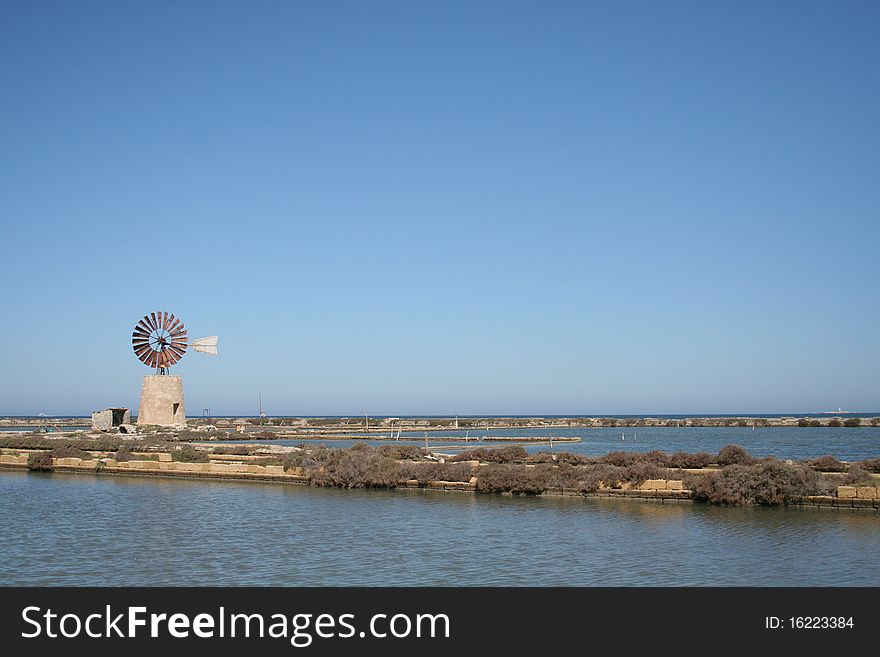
(160,340)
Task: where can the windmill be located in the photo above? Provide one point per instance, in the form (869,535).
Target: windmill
(160,340)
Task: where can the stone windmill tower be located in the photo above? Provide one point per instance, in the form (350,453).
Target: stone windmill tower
(159,341)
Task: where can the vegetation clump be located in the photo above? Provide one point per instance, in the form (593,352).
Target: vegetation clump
(511,454)
(871,465)
(736,478)
(734,455)
(211,434)
(403,452)
(39,461)
(768,482)
(189,454)
(694,461)
(516,479)
(561,458)
(236,450)
(429,471)
(856,475)
(354,469)
(828,463)
(70,452)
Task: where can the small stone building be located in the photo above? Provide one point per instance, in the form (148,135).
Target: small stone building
(110,418)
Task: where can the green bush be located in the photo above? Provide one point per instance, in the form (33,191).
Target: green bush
(39,461)
(189,455)
(857,475)
(638,473)
(213,434)
(872,465)
(686,460)
(572,459)
(236,450)
(827,463)
(516,479)
(351,469)
(620,459)
(70,452)
(123,453)
(428,471)
(734,455)
(403,452)
(560,458)
(769,482)
(512,454)
(292,460)
(266,460)
(591,478)
(32,441)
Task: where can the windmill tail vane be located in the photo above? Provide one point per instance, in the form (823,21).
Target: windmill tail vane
(160,340)
(206,345)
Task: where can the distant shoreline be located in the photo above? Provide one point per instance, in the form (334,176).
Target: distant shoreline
(361,424)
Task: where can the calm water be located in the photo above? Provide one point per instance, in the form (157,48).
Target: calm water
(67,529)
(849,444)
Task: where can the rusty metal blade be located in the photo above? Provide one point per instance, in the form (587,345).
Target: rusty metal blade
(152,322)
(144,325)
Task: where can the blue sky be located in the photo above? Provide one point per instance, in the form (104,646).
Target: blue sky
(457,207)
